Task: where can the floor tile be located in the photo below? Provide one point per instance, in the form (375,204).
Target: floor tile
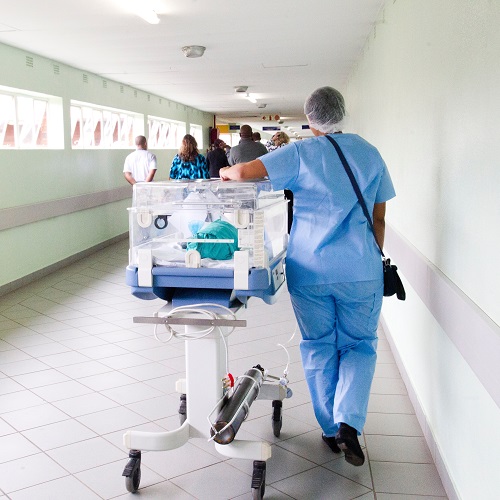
(83,405)
(58,434)
(107,380)
(30,418)
(114,419)
(28,471)
(63,390)
(161,491)
(18,400)
(39,379)
(132,393)
(361,475)
(16,446)
(392,424)
(321,484)
(281,465)
(107,480)
(398,449)
(86,455)
(173,463)
(21,367)
(5,428)
(56,489)
(390,403)
(409,479)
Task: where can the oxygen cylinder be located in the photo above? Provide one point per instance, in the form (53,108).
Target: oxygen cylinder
(237,406)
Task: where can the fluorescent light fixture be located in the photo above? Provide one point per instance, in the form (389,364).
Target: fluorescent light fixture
(251,99)
(149,15)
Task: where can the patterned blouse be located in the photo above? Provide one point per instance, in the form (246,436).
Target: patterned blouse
(196,169)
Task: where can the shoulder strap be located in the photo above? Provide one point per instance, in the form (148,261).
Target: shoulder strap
(355,186)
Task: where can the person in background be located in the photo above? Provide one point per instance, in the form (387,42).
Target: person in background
(247,149)
(333,264)
(216,159)
(278,140)
(188,163)
(140,166)
(256,137)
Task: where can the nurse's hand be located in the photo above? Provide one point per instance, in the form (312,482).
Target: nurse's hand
(223,173)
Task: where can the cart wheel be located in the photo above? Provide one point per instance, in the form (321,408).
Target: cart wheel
(182,409)
(277,420)
(258,480)
(132,471)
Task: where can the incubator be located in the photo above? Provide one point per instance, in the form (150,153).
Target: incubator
(206,247)
(207,234)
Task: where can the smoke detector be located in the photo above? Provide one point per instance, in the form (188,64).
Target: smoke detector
(241,88)
(193,50)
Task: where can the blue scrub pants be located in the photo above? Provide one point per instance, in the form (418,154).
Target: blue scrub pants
(338,323)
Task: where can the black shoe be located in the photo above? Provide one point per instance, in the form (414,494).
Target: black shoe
(330,441)
(347,440)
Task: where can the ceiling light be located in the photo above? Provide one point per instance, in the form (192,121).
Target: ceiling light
(148,15)
(261,105)
(241,88)
(193,50)
(251,99)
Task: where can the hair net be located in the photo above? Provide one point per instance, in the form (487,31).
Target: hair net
(324,109)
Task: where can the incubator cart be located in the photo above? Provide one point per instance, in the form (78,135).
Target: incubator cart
(206,247)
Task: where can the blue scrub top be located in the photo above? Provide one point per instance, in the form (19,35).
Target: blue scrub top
(330,240)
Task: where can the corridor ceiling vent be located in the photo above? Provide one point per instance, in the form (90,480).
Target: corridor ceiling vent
(193,50)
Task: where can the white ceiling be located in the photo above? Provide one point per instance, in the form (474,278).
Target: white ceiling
(282,49)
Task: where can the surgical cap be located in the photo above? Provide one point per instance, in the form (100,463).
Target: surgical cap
(324,109)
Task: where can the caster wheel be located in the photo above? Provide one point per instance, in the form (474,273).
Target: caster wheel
(277,427)
(182,409)
(277,420)
(132,471)
(258,480)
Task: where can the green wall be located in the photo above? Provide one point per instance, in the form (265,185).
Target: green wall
(33,177)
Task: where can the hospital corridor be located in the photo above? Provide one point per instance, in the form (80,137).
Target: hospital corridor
(77,373)
(196,200)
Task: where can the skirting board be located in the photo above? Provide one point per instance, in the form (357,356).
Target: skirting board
(422,419)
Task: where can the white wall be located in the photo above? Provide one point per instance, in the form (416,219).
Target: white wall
(425,92)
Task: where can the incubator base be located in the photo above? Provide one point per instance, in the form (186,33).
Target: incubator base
(202,393)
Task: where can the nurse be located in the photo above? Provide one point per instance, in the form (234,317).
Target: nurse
(333,264)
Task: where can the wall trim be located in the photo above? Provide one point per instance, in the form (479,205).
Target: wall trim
(27,214)
(472,331)
(30,278)
(437,456)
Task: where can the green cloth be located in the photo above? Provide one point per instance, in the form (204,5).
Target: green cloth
(220,230)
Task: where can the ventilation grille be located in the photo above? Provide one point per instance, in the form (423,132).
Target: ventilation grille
(149,98)
(104,84)
(135,93)
(159,100)
(85,78)
(57,70)
(121,89)
(29,62)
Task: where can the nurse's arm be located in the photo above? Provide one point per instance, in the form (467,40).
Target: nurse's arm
(243,171)
(379,223)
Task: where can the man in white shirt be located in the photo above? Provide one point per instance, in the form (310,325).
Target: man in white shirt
(140,166)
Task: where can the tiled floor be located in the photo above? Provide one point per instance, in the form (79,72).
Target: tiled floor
(76,372)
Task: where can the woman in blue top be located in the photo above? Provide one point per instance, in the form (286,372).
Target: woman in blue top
(333,264)
(188,163)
